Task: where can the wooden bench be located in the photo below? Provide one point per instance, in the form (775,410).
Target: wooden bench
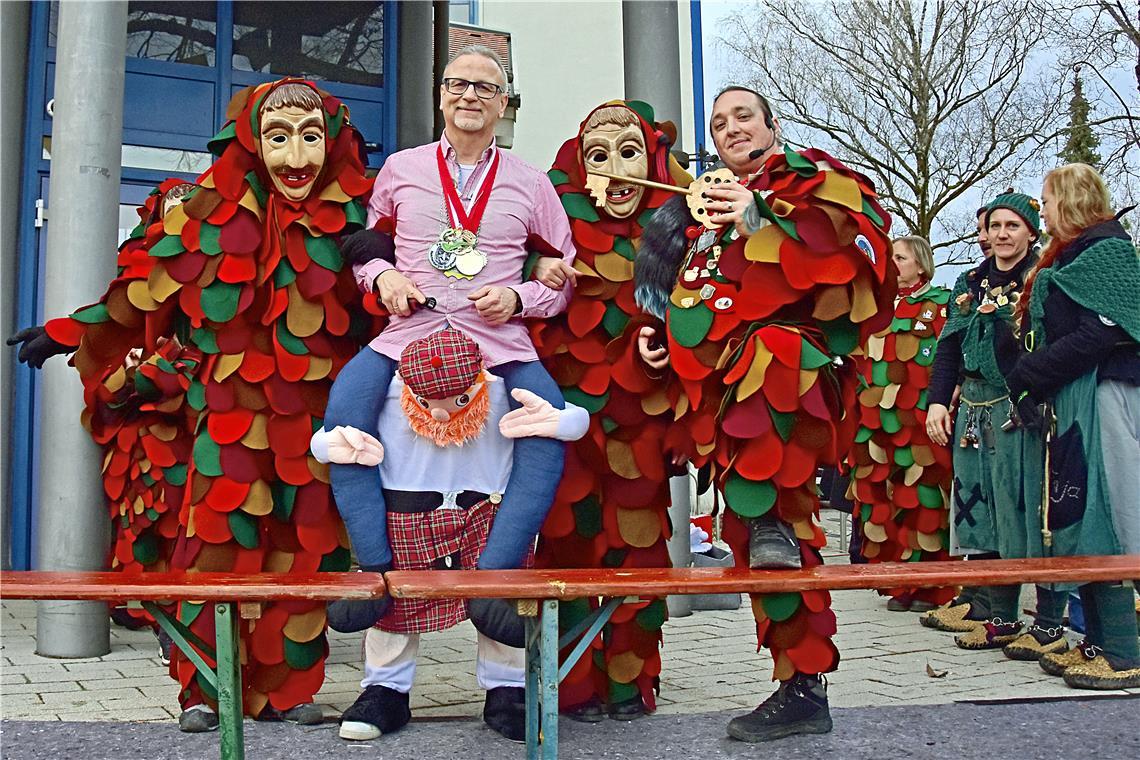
(232,595)
(541,590)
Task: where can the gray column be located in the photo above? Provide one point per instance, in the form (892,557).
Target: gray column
(83,207)
(653,74)
(441,54)
(414,87)
(13,62)
(653,57)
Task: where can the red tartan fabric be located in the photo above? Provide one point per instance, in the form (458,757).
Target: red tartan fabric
(418,541)
(441,365)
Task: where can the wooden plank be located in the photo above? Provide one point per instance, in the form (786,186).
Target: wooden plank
(577,583)
(211,587)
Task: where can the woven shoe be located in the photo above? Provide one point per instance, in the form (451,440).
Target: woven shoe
(1100,675)
(1057,664)
(951,617)
(993,634)
(799,706)
(1037,642)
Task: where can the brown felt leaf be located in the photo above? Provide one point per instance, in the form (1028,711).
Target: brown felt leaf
(639,527)
(890,393)
(935,673)
(302,317)
(764,246)
(305,626)
(259,500)
(625,667)
(227,365)
(279,562)
(138,293)
(875,345)
(319,368)
(174,220)
(906,346)
(257,437)
(614,267)
(841,190)
(161,284)
(831,303)
(620,457)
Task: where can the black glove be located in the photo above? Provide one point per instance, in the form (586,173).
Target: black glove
(498,619)
(367,245)
(37,346)
(352,615)
(1025,413)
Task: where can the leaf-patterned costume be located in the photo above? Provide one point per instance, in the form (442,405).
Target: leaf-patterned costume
(254,288)
(611,508)
(754,326)
(900,479)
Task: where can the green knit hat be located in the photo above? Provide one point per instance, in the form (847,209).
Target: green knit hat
(1021,204)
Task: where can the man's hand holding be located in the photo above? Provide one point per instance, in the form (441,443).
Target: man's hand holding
(652,352)
(553,273)
(727,203)
(496,304)
(397,292)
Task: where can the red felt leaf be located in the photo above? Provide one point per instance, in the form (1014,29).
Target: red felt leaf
(289,434)
(226,495)
(228,427)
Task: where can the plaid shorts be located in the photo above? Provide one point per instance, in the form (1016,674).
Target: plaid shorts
(421,541)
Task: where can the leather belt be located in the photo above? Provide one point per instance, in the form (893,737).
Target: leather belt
(410,502)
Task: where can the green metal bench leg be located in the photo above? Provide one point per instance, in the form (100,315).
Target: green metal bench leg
(548,645)
(532,681)
(229,682)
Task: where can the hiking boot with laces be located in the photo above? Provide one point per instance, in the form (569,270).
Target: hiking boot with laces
(951,617)
(772,544)
(993,634)
(378,710)
(1056,664)
(1037,642)
(1099,674)
(799,706)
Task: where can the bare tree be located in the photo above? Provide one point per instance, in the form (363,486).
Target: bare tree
(936,101)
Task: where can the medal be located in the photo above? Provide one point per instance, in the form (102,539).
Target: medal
(455,253)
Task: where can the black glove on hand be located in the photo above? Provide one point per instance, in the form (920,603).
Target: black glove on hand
(366,245)
(1025,413)
(37,346)
(352,615)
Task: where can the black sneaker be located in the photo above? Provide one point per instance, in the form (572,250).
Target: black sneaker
(505,711)
(772,544)
(305,714)
(588,712)
(378,710)
(165,644)
(799,706)
(628,709)
(198,719)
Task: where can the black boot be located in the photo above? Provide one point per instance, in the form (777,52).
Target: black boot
(799,706)
(378,710)
(772,544)
(505,711)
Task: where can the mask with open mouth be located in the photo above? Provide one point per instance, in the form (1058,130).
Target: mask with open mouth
(613,141)
(292,143)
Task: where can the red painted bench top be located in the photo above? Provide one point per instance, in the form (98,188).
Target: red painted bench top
(212,587)
(577,583)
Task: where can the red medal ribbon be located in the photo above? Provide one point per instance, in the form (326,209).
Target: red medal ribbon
(468,220)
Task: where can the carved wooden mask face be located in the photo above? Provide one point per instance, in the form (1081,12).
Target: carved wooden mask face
(292,146)
(617,149)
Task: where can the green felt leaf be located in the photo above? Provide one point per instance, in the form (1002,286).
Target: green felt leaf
(289,341)
(642,109)
(207,456)
(284,495)
(206,340)
(923,401)
(622,692)
(257,188)
(244,528)
(614,320)
(811,357)
(284,274)
(904,457)
(799,164)
(149,480)
(863,435)
(209,236)
(870,213)
(890,420)
(169,245)
(783,422)
(653,616)
(339,560)
(766,211)
(220,300)
(188,612)
(900,324)
(175,474)
(217,143)
(749,498)
(646,215)
(924,357)
(572,611)
(780,607)
(334,122)
(842,336)
(579,206)
(587,517)
(592,404)
(865,512)
(151,513)
(91,315)
(690,326)
(355,213)
(145,549)
(624,248)
(144,387)
(614,557)
(558,177)
(879,374)
(930,496)
(608,425)
(196,396)
(323,251)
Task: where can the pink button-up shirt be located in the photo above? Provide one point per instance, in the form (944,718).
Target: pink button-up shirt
(523,205)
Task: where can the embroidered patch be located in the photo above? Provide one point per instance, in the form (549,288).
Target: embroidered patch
(864,245)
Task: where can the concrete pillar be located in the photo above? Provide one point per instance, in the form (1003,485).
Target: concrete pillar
(653,74)
(83,205)
(441,54)
(652,57)
(415,99)
(13,61)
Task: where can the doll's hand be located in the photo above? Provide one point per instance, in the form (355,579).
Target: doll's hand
(347,445)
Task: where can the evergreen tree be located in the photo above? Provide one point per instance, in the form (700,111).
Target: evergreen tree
(1081,145)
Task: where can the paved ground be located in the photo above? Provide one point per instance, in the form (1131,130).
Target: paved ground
(710,665)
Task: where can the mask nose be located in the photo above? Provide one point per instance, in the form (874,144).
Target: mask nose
(295,158)
(440,415)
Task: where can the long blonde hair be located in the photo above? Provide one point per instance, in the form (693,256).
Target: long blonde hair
(1079,200)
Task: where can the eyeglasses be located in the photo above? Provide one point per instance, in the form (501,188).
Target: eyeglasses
(484,90)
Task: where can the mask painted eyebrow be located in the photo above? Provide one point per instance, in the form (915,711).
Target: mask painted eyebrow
(279,123)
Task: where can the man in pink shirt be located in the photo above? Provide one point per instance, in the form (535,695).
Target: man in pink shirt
(462,215)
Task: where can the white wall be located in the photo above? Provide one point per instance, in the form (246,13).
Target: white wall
(568,59)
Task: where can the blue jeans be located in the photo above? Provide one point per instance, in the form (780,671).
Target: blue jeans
(357,400)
